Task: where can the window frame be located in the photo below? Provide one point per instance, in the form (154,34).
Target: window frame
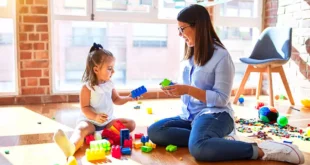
(8,12)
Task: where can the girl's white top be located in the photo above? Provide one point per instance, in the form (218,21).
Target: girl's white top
(101,101)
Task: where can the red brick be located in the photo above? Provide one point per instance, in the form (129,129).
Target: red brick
(26,28)
(34,37)
(25,46)
(39,9)
(31,73)
(41,2)
(44,81)
(7,100)
(28,100)
(25,55)
(46,73)
(33,91)
(48,91)
(55,99)
(23,37)
(35,19)
(38,46)
(271,13)
(35,64)
(44,37)
(41,55)
(73,98)
(23,82)
(23,9)
(32,81)
(29,2)
(42,28)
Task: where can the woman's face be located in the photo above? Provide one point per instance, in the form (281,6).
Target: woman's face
(187,32)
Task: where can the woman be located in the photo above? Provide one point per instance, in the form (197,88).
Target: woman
(205,92)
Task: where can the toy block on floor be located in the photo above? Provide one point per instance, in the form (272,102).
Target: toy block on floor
(138,92)
(111,136)
(149,110)
(149,144)
(137,145)
(126,151)
(116,152)
(146,149)
(138,135)
(118,125)
(128,143)
(144,139)
(95,154)
(100,144)
(171,148)
(89,138)
(124,135)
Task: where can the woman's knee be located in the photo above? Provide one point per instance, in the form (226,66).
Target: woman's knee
(154,134)
(202,151)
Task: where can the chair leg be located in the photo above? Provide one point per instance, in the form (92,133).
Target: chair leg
(270,86)
(286,86)
(259,86)
(241,87)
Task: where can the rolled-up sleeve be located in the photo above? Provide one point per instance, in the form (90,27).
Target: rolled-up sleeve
(219,95)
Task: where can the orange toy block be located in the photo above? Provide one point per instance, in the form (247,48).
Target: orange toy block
(94,154)
(137,145)
(113,129)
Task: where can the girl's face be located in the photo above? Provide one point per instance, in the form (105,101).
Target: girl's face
(105,72)
(187,32)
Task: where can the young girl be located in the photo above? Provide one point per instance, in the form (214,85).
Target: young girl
(96,99)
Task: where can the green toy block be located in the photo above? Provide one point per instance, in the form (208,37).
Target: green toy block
(171,148)
(7,152)
(146,149)
(100,144)
(165,83)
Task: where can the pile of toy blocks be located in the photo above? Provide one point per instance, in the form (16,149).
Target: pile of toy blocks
(144,143)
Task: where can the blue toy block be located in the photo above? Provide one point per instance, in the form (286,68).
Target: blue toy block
(138,92)
(124,134)
(144,139)
(126,151)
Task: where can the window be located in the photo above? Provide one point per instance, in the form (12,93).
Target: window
(132,30)
(238,24)
(7,49)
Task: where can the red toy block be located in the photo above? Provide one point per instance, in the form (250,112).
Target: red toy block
(259,105)
(116,152)
(111,135)
(138,135)
(89,138)
(127,143)
(118,125)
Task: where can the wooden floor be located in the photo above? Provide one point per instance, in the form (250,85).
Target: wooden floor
(30,143)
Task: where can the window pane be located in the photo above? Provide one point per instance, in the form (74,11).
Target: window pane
(141,51)
(7,66)
(3,3)
(123,5)
(70,7)
(239,41)
(239,8)
(170,8)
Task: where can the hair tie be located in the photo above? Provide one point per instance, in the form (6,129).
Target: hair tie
(97,46)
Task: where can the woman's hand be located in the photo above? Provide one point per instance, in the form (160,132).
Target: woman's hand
(176,90)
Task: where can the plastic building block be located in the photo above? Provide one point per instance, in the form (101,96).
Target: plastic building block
(72,161)
(113,129)
(137,145)
(95,154)
(149,144)
(144,139)
(149,110)
(128,143)
(139,102)
(89,138)
(126,151)
(100,145)
(171,148)
(116,152)
(124,135)
(138,135)
(288,141)
(7,152)
(118,125)
(136,107)
(166,83)
(111,136)
(98,136)
(138,92)
(146,149)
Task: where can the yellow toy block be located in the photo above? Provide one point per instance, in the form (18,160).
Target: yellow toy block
(137,145)
(149,144)
(139,102)
(113,129)
(149,110)
(72,161)
(95,154)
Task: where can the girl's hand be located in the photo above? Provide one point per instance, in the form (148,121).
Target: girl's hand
(101,118)
(130,98)
(176,90)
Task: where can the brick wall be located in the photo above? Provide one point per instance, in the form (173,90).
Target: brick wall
(295,14)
